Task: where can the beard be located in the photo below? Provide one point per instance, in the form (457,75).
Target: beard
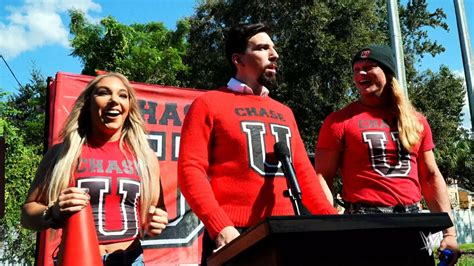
(268,80)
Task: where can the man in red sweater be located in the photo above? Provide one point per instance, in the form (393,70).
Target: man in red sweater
(227,169)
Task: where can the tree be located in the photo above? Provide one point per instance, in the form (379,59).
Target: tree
(22,159)
(453,151)
(143,52)
(414,19)
(27,109)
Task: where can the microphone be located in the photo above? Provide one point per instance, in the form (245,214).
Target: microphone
(294,192)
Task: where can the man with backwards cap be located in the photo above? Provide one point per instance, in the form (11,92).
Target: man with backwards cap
(383,147)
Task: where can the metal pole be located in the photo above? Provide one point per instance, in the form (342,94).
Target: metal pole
(397,44)
(466,52)
(11,71)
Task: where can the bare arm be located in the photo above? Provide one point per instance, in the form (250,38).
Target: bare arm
(435,192)
(35,214)
(36,203)
(326,165)
(157,215)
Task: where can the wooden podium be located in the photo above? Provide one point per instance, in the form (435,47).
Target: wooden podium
(366,239)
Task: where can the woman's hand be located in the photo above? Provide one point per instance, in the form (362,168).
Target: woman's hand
(70,201)
(157,221)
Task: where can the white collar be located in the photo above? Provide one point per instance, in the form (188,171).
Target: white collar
(237,86)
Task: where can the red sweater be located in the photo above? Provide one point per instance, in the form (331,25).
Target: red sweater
(227,170)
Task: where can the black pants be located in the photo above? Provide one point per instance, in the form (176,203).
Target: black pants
(208,245)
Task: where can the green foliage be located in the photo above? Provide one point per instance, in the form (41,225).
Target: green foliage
(22,119)
(26,110)
(143,52)
(453,145)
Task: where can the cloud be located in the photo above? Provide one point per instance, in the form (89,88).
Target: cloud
(36,23)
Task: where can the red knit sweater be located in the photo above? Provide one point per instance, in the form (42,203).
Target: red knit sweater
(226,167)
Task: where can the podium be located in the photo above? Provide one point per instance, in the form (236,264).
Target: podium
(349,239)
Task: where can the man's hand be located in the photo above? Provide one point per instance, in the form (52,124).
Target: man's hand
(226,235)
(449,242)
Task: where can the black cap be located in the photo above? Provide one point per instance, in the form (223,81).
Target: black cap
(381,54)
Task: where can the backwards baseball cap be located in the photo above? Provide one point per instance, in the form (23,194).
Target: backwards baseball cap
(381,54)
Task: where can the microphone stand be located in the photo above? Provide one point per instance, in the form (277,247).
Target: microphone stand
(295,200)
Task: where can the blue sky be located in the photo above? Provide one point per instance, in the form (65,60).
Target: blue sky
(36,32)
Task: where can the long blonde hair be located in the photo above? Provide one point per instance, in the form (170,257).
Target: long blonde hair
(74,135)
(409,125)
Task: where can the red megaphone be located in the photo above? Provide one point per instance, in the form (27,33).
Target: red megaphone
(79,244)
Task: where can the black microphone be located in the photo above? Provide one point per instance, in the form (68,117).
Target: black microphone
(294,192)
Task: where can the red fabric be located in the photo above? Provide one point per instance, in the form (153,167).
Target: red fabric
(373,169)
(114,188)
(225,138)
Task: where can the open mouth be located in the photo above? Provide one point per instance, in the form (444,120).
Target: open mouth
(112,113)
(365,82)
(271,68)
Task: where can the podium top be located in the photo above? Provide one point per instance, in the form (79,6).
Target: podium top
(288,226)
(426,222)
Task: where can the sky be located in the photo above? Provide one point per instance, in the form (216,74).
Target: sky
(35,33)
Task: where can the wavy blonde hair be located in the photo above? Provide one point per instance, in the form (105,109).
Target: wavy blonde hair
(74,136)
(409,125)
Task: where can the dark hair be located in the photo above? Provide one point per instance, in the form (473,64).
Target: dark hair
(238,37)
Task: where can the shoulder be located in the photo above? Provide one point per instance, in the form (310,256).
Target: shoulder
(343,114)
(212,97)
(423,120)
(421,117)
(219,92)
(53,152)
(276,104)
(48,161)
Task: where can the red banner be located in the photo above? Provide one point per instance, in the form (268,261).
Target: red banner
(163,109)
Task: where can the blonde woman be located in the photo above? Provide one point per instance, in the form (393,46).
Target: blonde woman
(103,160)
(382,147)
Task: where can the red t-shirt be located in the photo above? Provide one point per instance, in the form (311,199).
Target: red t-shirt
(114,187)
(375,167)
(227,170)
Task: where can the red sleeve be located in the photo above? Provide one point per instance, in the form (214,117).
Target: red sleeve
(313,195)
(426,143)
(331,133)
(193,164)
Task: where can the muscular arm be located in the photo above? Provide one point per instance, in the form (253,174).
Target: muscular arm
(316,194)
(435,193)
(433,186)
(326,165)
